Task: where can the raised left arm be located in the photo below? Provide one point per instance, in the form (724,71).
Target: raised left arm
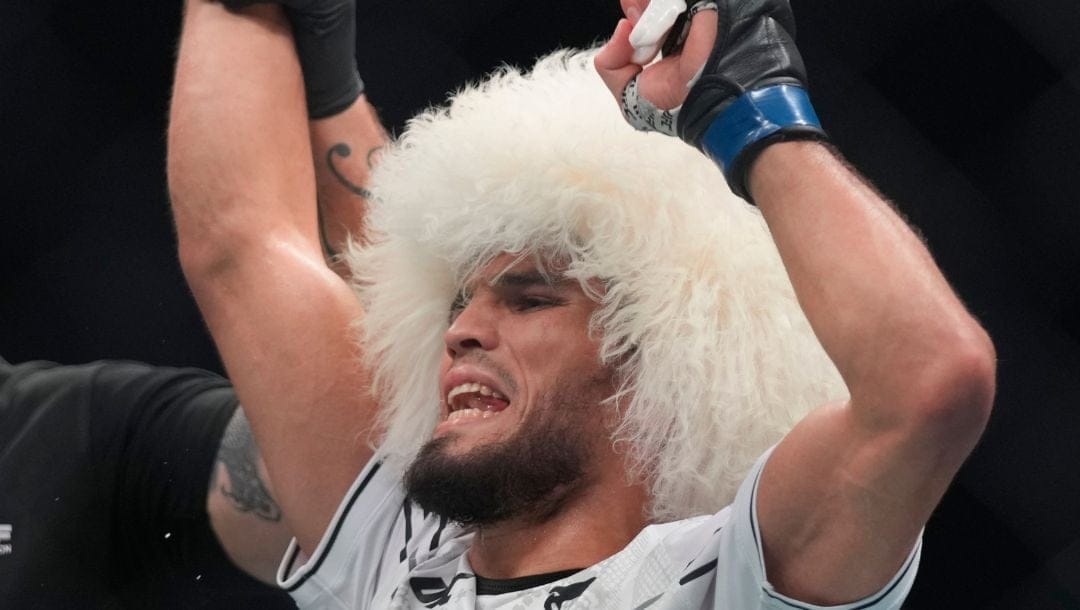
(844,496)
(846,493)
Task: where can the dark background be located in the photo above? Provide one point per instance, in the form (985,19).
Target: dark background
(965,112)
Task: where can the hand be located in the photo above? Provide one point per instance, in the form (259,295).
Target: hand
(325,33)
(749,91)
(664,83)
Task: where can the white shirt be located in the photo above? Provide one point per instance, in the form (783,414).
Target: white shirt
(382,552)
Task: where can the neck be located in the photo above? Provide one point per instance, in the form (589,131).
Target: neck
(594,524)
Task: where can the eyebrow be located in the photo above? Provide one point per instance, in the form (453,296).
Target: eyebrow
(525,279)
(515,279)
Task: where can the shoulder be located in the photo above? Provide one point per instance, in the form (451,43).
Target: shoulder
(106,398)
(40,380)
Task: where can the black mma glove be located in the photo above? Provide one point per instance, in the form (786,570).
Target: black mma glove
(325,33)
(752,89)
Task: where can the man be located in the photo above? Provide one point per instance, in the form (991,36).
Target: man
(574,343)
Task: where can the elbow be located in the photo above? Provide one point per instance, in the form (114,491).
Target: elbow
(202,250)
(201,259)
(208,215)
(212,235)
(955,393)
(197,249)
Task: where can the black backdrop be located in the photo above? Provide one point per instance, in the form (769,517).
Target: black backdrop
(966,112)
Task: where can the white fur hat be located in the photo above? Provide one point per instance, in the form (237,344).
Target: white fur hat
(718,358)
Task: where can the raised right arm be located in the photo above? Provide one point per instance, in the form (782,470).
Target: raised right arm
(243,190)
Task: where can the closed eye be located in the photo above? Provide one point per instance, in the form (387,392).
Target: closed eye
(533,302)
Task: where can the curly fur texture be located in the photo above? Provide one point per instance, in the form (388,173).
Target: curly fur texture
(718,359)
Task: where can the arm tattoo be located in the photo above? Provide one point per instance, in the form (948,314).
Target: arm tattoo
(342,149)
(324,240)
(240,457)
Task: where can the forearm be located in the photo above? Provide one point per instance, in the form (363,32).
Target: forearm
(345,148)
(880,306)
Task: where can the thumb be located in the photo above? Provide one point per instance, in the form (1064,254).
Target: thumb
(613,62)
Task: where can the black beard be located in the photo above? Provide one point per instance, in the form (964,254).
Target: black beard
(528,475)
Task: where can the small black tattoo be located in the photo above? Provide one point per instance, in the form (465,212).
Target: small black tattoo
(240,457)
(342,149)
(324,239)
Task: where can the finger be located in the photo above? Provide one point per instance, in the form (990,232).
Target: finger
(633,9)
(699,43)
(666,83)
(613,61)
(662,83)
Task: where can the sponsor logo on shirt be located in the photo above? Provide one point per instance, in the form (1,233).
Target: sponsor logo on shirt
(5,539)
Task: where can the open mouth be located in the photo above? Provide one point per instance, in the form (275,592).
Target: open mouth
(474,401)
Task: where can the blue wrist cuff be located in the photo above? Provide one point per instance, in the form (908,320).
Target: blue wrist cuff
(756,115)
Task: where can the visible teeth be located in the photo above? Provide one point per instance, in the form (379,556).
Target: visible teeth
(470,414)
(474,388)
(462,413)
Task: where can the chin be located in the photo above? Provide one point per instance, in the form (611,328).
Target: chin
(483,481)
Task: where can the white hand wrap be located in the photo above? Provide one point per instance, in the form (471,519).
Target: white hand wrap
(642,114)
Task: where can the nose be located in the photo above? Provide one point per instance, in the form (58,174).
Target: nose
(473,328)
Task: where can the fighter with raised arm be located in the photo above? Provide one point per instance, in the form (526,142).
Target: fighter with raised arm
(582,359)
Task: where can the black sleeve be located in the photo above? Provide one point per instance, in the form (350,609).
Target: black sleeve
(104,471)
